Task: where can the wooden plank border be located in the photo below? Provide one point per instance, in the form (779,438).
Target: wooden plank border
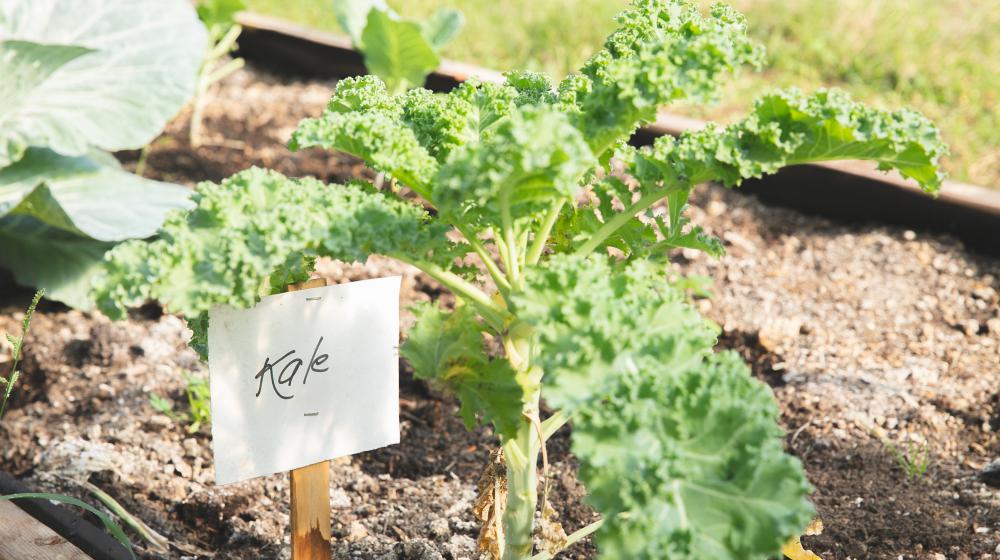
(89,538)
(22,536)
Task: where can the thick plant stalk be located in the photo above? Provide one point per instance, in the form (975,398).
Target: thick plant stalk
(521,454)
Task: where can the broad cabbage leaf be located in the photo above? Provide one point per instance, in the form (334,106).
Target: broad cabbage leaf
(140,69)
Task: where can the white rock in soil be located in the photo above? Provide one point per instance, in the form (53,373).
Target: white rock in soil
(339,498)
(356,531)
(77,458)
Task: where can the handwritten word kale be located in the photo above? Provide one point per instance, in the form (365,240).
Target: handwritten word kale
(570,300)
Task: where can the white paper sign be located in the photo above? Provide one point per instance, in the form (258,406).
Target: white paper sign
(303,377)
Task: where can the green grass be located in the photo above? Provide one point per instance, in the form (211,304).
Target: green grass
(939,56)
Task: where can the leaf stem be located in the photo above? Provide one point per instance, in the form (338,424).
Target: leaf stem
(552,424)
(484,255)
(510,241)
(542,237)
(494,315)
(622,218)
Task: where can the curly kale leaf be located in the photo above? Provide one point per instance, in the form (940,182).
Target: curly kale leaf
(410,135)
(594,317)
(678,446)
(534,157)
(255,226)
(375,137)
(663,51)
(448,347)
(788,128)
(688,463)
(466,115)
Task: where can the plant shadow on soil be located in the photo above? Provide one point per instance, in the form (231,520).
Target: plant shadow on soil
(87,383)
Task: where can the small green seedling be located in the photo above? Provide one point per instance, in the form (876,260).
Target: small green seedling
(16,343)
(199,403)
(913,458)
(400,52)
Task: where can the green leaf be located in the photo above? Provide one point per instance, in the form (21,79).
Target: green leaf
(352,15)
(109,524)
(25,65)
(678,446)
(689,464)
(442,27)
(219,13)
(448,347)
(142,70)
(534,157)
(384,143)
(663,51)
(789,128)
(62,263)
(397,51)
(255,224)
(90,196)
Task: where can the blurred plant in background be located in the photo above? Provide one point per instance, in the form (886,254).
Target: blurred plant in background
(401,52)
(219,17)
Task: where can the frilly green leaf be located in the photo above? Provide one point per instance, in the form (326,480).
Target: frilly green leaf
(255,226)
(787,128)
(678,446)
(534,157)
(663,51)
(375,137)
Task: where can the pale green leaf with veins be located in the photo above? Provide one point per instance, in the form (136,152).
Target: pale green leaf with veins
(24,66)
(140,68)
(61,263)
(88,195)
(442,27)
(397,51)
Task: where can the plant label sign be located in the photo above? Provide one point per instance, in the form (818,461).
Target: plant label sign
(303,377)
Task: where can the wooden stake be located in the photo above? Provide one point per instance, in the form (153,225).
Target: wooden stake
(311,494)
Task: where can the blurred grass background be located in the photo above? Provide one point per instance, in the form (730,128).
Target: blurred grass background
(941,57)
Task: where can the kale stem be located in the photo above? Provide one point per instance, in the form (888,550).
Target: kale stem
(622,218)
(510,241)
(487,308)
(552,424)
(538,244)
(484,255)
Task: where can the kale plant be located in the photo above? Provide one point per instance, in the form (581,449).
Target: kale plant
(400,52)
(79,78)
(509,196)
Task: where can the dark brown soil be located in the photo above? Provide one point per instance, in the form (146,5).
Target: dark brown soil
(867,334)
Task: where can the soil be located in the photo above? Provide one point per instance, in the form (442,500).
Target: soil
(879,343)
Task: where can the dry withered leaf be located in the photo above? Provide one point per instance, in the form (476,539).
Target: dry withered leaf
(490,505)
(549,533)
